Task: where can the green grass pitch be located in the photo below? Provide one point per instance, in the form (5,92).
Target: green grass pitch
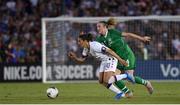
(86,93)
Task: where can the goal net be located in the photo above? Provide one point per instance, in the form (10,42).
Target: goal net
(60,36)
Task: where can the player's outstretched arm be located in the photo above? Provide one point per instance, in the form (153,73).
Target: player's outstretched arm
(135,36)
(111,52)
(72,55)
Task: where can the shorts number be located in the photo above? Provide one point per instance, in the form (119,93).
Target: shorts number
(107,66)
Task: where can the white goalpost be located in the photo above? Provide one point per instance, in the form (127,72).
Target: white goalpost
(59,36)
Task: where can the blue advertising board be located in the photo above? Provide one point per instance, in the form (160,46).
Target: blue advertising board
(158,69)
(150,70)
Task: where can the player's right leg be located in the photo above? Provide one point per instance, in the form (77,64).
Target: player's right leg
(120,84)
(107,75)
(107,69)
(110,79)
(130,70)
(141,81)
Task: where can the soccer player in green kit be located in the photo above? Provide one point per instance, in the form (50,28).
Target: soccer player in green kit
(113,39)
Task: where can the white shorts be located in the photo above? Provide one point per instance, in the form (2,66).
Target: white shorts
(108,65)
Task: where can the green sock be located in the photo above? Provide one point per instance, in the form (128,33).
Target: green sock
(120,84)
(139,80)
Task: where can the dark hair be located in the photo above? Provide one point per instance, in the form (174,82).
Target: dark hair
(104,23)
(88,37)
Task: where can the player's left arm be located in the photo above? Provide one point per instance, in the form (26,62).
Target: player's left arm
(98,47)
(72,55)
(135,36)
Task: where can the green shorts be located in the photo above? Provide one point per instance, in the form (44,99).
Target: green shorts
(130,58)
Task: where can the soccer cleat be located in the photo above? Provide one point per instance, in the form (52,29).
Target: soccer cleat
(130,78)
(149,87)
(129,94)
(119,95)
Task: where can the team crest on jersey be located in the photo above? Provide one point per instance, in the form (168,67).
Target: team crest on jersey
(109,41)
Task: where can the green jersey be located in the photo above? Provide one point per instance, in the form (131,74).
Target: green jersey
(113,39)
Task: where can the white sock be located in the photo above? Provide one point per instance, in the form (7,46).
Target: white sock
(114,89)
(118,77)
(121,76)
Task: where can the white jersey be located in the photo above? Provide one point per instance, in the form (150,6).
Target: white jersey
(96,50)
(108,63)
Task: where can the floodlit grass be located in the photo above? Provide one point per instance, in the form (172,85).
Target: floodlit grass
(86,93)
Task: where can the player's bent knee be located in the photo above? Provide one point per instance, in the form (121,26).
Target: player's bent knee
(107,76)
(112,79)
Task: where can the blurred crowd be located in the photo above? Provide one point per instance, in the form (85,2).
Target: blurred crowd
(165,42)
(20,24)
(122,7)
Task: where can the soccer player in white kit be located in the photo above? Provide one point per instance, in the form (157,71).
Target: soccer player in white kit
(109,60)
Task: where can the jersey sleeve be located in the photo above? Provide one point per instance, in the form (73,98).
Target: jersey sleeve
(85,52)
(98,47)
